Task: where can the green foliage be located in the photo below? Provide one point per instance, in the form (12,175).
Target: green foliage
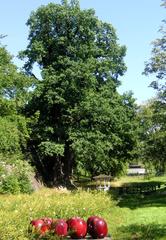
(155,146)
(14,85)
(10,185)
(9,136)
(14,93)
(25,185)
(104,136)
(51,149)
(153,133)
(157,62)
(60,35)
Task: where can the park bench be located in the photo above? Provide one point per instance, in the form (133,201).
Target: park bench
(103,182)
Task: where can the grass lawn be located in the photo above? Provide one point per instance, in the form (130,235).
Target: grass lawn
(133,217)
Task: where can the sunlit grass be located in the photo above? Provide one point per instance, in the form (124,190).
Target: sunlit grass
(128,217)
(17,211)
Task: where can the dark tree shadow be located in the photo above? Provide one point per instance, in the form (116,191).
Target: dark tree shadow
(139,200)
(143,232)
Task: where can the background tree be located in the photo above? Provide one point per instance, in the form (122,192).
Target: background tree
(14,85)
(78,118)
(155,142)
(157,63)
(152,133)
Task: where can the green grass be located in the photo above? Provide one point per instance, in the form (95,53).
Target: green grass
(143,217)
(136,217)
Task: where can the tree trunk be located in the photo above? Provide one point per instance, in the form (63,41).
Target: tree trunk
(68,165)
(58,174)
(62,169)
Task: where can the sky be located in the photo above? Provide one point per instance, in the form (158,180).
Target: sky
(136,22)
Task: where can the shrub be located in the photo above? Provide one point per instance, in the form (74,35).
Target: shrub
(15,176)
(10,184)
(25,184)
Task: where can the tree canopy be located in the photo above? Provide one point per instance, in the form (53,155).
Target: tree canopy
(14,87)
(157,63)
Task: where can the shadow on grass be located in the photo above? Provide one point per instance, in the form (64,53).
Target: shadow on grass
(151,185)
(140,200)
(143,232)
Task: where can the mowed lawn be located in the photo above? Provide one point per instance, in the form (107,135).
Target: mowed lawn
(128,216)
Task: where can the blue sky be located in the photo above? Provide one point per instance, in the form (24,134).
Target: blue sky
(136,23)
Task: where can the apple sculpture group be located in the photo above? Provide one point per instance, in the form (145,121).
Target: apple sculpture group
(75,227)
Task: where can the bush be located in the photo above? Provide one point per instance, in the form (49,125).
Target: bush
(15,171)
(25,184)
(10,184)
(15,176)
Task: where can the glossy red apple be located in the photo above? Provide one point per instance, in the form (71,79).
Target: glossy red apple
(98,228)
(41,226)
(44,229)
(60,227)
(92,218)
(37,223)
(90,224)
(77,227)
(47,221)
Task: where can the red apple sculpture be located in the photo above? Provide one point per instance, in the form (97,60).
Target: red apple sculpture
(77,227)
(41,226)
(44,229)
(37,223)
(47,221)
(97,227)
(90,224)
(60,228)
(37,226)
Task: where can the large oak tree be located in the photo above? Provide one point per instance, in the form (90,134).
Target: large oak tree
(78,117)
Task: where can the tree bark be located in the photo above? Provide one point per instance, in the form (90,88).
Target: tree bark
(68,165)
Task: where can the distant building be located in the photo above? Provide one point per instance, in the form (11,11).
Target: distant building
(136,170)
